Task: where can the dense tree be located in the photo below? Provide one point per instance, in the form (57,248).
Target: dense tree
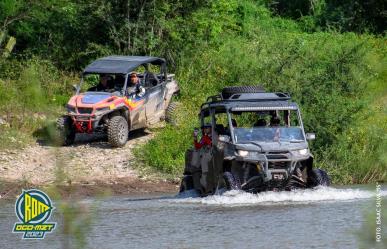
(344,15)
(208,43)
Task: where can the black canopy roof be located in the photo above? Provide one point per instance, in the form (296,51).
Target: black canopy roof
(121,64)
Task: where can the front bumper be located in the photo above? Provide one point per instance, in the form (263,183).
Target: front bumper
(274,166)
(85,123)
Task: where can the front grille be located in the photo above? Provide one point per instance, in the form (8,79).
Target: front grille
(277,152)
(85,110)
(279,156)
(278,165)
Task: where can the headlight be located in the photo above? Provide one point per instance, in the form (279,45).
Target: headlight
(302,152)
(70,108)
(250,154)
(243,152)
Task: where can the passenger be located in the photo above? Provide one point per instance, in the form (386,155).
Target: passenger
(275,121)
(206,137)
(103,84)
(135,87)
(260,123)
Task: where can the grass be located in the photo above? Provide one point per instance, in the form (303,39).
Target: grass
(32,95)
(334,77)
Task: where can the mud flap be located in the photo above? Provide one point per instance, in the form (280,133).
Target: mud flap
(308,164)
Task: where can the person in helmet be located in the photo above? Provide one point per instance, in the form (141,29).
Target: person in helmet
(206,139)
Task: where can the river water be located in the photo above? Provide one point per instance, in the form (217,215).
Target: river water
(327,217)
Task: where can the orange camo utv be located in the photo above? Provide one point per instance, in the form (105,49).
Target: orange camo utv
(119,108)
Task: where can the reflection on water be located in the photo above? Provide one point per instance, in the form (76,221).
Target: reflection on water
(321,218)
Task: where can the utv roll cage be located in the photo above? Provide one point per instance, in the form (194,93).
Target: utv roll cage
(123,65)
(246,97)
(245,102)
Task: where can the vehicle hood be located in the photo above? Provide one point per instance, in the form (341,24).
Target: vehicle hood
(90,99)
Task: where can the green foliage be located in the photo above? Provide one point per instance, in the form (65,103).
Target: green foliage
(31,92)
(210,45)
(328,74)
(33,85)
(166,152)
(347,15)
(359,155)
(10,8)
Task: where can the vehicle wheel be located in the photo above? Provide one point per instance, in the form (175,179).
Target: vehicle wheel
(186,183)
(117,131)
(171,113)
(66,130)
(228,91)
(232,183)
(321,177)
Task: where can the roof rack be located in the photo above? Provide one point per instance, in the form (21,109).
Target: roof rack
(260,96)
(121,64)
(248,97)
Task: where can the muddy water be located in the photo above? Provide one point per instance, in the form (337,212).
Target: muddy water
(321,218)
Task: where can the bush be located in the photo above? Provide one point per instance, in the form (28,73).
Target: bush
(328,74)
(34,92)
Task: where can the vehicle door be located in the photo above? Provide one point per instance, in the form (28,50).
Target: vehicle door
(137,108)
(211,157)
(155,90)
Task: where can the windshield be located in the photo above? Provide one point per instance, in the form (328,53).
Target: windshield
(278,134)
(267,126)
(103,83)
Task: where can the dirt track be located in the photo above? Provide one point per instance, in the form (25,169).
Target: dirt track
(91,161)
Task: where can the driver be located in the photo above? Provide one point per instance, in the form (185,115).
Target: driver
(135,87)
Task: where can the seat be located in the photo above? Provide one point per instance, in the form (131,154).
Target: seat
(151,79)
(219,128)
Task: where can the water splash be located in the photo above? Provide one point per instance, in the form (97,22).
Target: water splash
(320,194)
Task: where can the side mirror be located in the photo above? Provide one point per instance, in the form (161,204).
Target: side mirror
(310,136)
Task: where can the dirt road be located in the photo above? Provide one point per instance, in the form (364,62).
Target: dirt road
(91,161)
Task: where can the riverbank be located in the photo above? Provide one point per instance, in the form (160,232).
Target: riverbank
(90,167)
(125,186)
